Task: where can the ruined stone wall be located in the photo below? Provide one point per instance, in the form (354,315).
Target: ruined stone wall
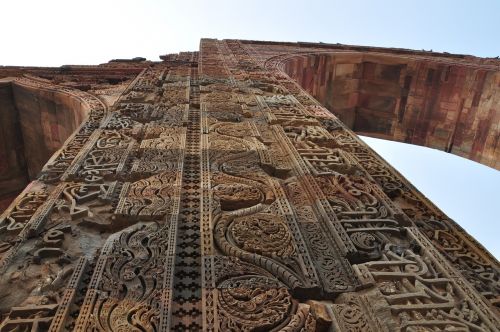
(213,193)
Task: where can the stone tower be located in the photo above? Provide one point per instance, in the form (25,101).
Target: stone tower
(226,190)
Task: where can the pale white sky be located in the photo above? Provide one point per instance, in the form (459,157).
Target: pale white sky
(56,32)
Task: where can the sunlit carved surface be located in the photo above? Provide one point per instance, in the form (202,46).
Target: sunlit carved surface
(211,192)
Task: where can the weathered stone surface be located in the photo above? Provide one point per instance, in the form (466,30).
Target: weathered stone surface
(211,192)
(450,104)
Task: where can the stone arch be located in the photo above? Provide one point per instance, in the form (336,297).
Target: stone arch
(446,104)
(37,117)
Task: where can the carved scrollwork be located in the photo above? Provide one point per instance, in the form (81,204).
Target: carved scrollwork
(315,146)
(75,194)
(252,303)
(352,314)
(330,267)
(148,198)
(139,112)
(418,294)
(219,97)
(355,197)
(234,196)
(443,234)
(163,138)
(272,249)
(104,159)
(130,284)
(25,207)
(154,161)
(263,234)
(244,129)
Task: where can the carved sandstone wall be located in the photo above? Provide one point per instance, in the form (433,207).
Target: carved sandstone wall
(444,105)
(212,192)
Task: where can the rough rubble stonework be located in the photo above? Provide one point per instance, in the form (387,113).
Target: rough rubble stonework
(212,192)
